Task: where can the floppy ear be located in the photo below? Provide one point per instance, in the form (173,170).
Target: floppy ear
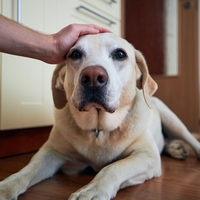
(59,96)
(144,81)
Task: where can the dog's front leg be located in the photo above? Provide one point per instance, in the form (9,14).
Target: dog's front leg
(43,165)
(135,169)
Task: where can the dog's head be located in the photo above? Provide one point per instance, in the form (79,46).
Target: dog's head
(101,73)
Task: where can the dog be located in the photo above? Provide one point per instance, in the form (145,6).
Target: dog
(106,118)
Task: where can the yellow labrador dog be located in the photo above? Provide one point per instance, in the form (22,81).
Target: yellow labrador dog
(105,118)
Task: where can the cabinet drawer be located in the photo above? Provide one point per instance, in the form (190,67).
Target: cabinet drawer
(78,11)
(89,14)
(109,7)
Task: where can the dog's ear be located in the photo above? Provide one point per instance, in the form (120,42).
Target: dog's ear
(59,96)
(144,80)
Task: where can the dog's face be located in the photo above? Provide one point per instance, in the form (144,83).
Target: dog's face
(99,65)
(101,76)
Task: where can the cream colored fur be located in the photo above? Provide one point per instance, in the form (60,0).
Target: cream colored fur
(119,134)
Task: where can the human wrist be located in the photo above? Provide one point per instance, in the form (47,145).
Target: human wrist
(50,49)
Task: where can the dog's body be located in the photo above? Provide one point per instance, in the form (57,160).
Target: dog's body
(106,119)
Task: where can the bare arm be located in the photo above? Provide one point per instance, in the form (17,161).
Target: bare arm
(19,40)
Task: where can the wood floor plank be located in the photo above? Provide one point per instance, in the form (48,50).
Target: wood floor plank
(180,180)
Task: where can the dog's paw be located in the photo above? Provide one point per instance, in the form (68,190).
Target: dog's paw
(7,191)
(176,150)
(5,195)
(90,193)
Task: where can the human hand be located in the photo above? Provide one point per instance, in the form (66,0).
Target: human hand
(67,37)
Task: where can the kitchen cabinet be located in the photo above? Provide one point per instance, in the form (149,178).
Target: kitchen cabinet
(25,84)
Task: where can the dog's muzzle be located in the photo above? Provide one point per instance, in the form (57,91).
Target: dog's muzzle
(93,82)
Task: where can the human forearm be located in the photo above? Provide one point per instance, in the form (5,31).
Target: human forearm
(19,40)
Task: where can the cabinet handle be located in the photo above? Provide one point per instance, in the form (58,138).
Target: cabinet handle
(19,6)
(113,1)
(97,14)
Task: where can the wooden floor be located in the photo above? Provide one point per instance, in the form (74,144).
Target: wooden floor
(180,180)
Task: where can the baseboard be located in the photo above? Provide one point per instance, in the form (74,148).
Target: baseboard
(14,142)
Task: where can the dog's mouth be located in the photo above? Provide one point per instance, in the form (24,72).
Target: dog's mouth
(94,99)
(97,106)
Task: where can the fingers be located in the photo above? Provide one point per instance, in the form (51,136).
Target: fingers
(100,29)
(92,29)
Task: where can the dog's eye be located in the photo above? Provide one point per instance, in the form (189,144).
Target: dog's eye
(75,55)
(119,54)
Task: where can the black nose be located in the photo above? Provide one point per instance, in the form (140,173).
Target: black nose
(94,77)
